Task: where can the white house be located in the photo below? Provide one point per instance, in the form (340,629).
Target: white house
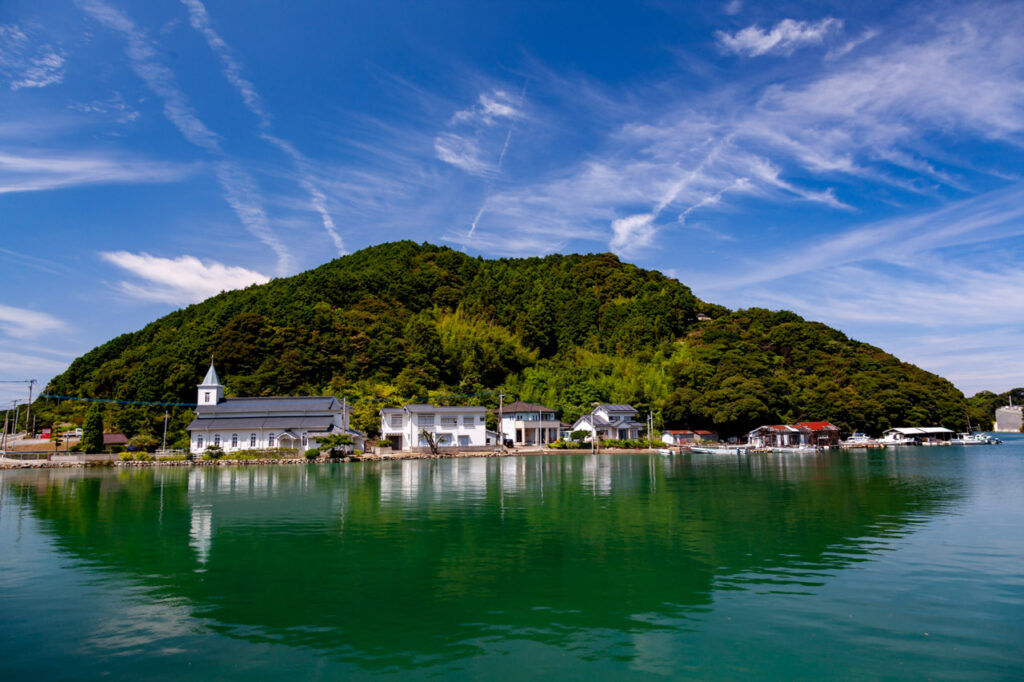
(235,424)
(611,422)
(452,426)
(529,424)
(909,435)
(678,437)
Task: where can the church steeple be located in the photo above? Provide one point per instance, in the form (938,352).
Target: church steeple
(211,391)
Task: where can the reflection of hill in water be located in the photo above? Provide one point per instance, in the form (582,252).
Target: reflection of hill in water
(400,561)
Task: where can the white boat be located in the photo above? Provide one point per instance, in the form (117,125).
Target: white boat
(800,449)
(665,452)
(862,440)
(974,439)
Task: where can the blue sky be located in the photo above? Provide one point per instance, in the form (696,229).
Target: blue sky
(861,166)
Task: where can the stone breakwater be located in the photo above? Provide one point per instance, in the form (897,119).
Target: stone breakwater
(224,462)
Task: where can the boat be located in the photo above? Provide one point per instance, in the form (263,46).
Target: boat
(862,440)
(799,449)
(974,439)
(665,452)
(722,450)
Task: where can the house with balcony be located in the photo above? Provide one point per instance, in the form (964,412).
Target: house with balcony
(264,423)
(452,427)
(611,422)
(529,424)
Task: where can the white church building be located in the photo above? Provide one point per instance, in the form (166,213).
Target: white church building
(234,424)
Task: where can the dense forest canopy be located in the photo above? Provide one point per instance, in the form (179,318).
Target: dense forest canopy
(403,321)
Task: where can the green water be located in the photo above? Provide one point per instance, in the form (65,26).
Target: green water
(902,564)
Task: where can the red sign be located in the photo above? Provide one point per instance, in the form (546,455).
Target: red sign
(46,433)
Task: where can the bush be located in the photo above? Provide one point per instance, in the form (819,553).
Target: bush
(357,452)
(173,458)
(77,447)
(312,453)
(125,456)
(213,452)
(143,457)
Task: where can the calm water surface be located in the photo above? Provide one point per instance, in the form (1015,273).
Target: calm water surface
(902,564)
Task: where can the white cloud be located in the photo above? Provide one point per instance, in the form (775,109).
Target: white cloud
(632,233)
(24,64)
(20,323)
(35,173)
(463,153)
(470,143)
(181,280)
(785,37)
(489,107)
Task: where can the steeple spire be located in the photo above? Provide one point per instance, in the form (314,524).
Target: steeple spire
(211,391)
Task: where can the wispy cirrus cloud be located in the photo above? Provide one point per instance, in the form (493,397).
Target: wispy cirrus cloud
(241,190)
(783,38)
(24,173)
(179,281)
(26,64)
(232,69)
(469,143)
(20,323)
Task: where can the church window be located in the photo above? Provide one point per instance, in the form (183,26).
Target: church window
(206,396)
(270,440)
(199,442)
(234,440)
(252,440)
(216,440)
(305,442)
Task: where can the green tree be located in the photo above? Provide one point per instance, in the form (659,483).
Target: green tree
(92,430)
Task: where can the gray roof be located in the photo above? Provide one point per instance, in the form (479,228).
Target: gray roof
(323,423)
(520,406)
(273,405)
(616,408)
(444,408)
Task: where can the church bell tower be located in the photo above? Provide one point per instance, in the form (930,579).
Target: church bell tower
(211,391)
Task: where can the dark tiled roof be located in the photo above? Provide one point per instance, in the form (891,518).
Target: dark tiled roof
(617,408)
(272,405)
(520,406)
(322,423)
(114,439)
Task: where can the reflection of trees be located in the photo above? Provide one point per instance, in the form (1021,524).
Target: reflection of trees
(402,561)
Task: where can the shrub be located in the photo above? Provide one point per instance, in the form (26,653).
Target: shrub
(312,453)
(213,452)
(125,456)
(143,457)
(75,448)
(173,458)
(357,451)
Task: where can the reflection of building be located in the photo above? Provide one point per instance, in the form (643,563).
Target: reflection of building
(454,427)
(1009,418)
(610,422)
(234,424)
(529,424)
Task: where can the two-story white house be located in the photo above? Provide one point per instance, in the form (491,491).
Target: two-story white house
(453,427)
(235,424)
(529,424)
(610,422)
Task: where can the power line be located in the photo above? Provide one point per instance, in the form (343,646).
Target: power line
(52,396)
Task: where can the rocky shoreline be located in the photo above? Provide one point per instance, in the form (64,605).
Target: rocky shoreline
(225,462)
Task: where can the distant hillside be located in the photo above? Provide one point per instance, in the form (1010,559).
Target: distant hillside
(982,406)
(404,320)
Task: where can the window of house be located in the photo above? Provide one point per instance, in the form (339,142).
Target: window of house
(396,421)
(449,422)
(216,441)
(424,420)
(483,419)
(252,440)
(305,441)
(234,440)
(199,442)
(467,420)
(270,440)
(206,396)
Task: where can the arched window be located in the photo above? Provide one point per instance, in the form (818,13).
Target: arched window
(199,441)
(206,396)
(252,440)
(304,440)
(270,440)
(234,440)
(216,440)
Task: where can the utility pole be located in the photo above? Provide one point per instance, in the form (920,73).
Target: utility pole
(166,415)
(28,410)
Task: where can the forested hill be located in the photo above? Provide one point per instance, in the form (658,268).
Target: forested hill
(403,320)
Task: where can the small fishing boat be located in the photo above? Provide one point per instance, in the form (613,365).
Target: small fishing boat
(862,440)
(665,452)
(974,439)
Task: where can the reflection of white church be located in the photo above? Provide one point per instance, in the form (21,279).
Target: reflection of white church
(264,423)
